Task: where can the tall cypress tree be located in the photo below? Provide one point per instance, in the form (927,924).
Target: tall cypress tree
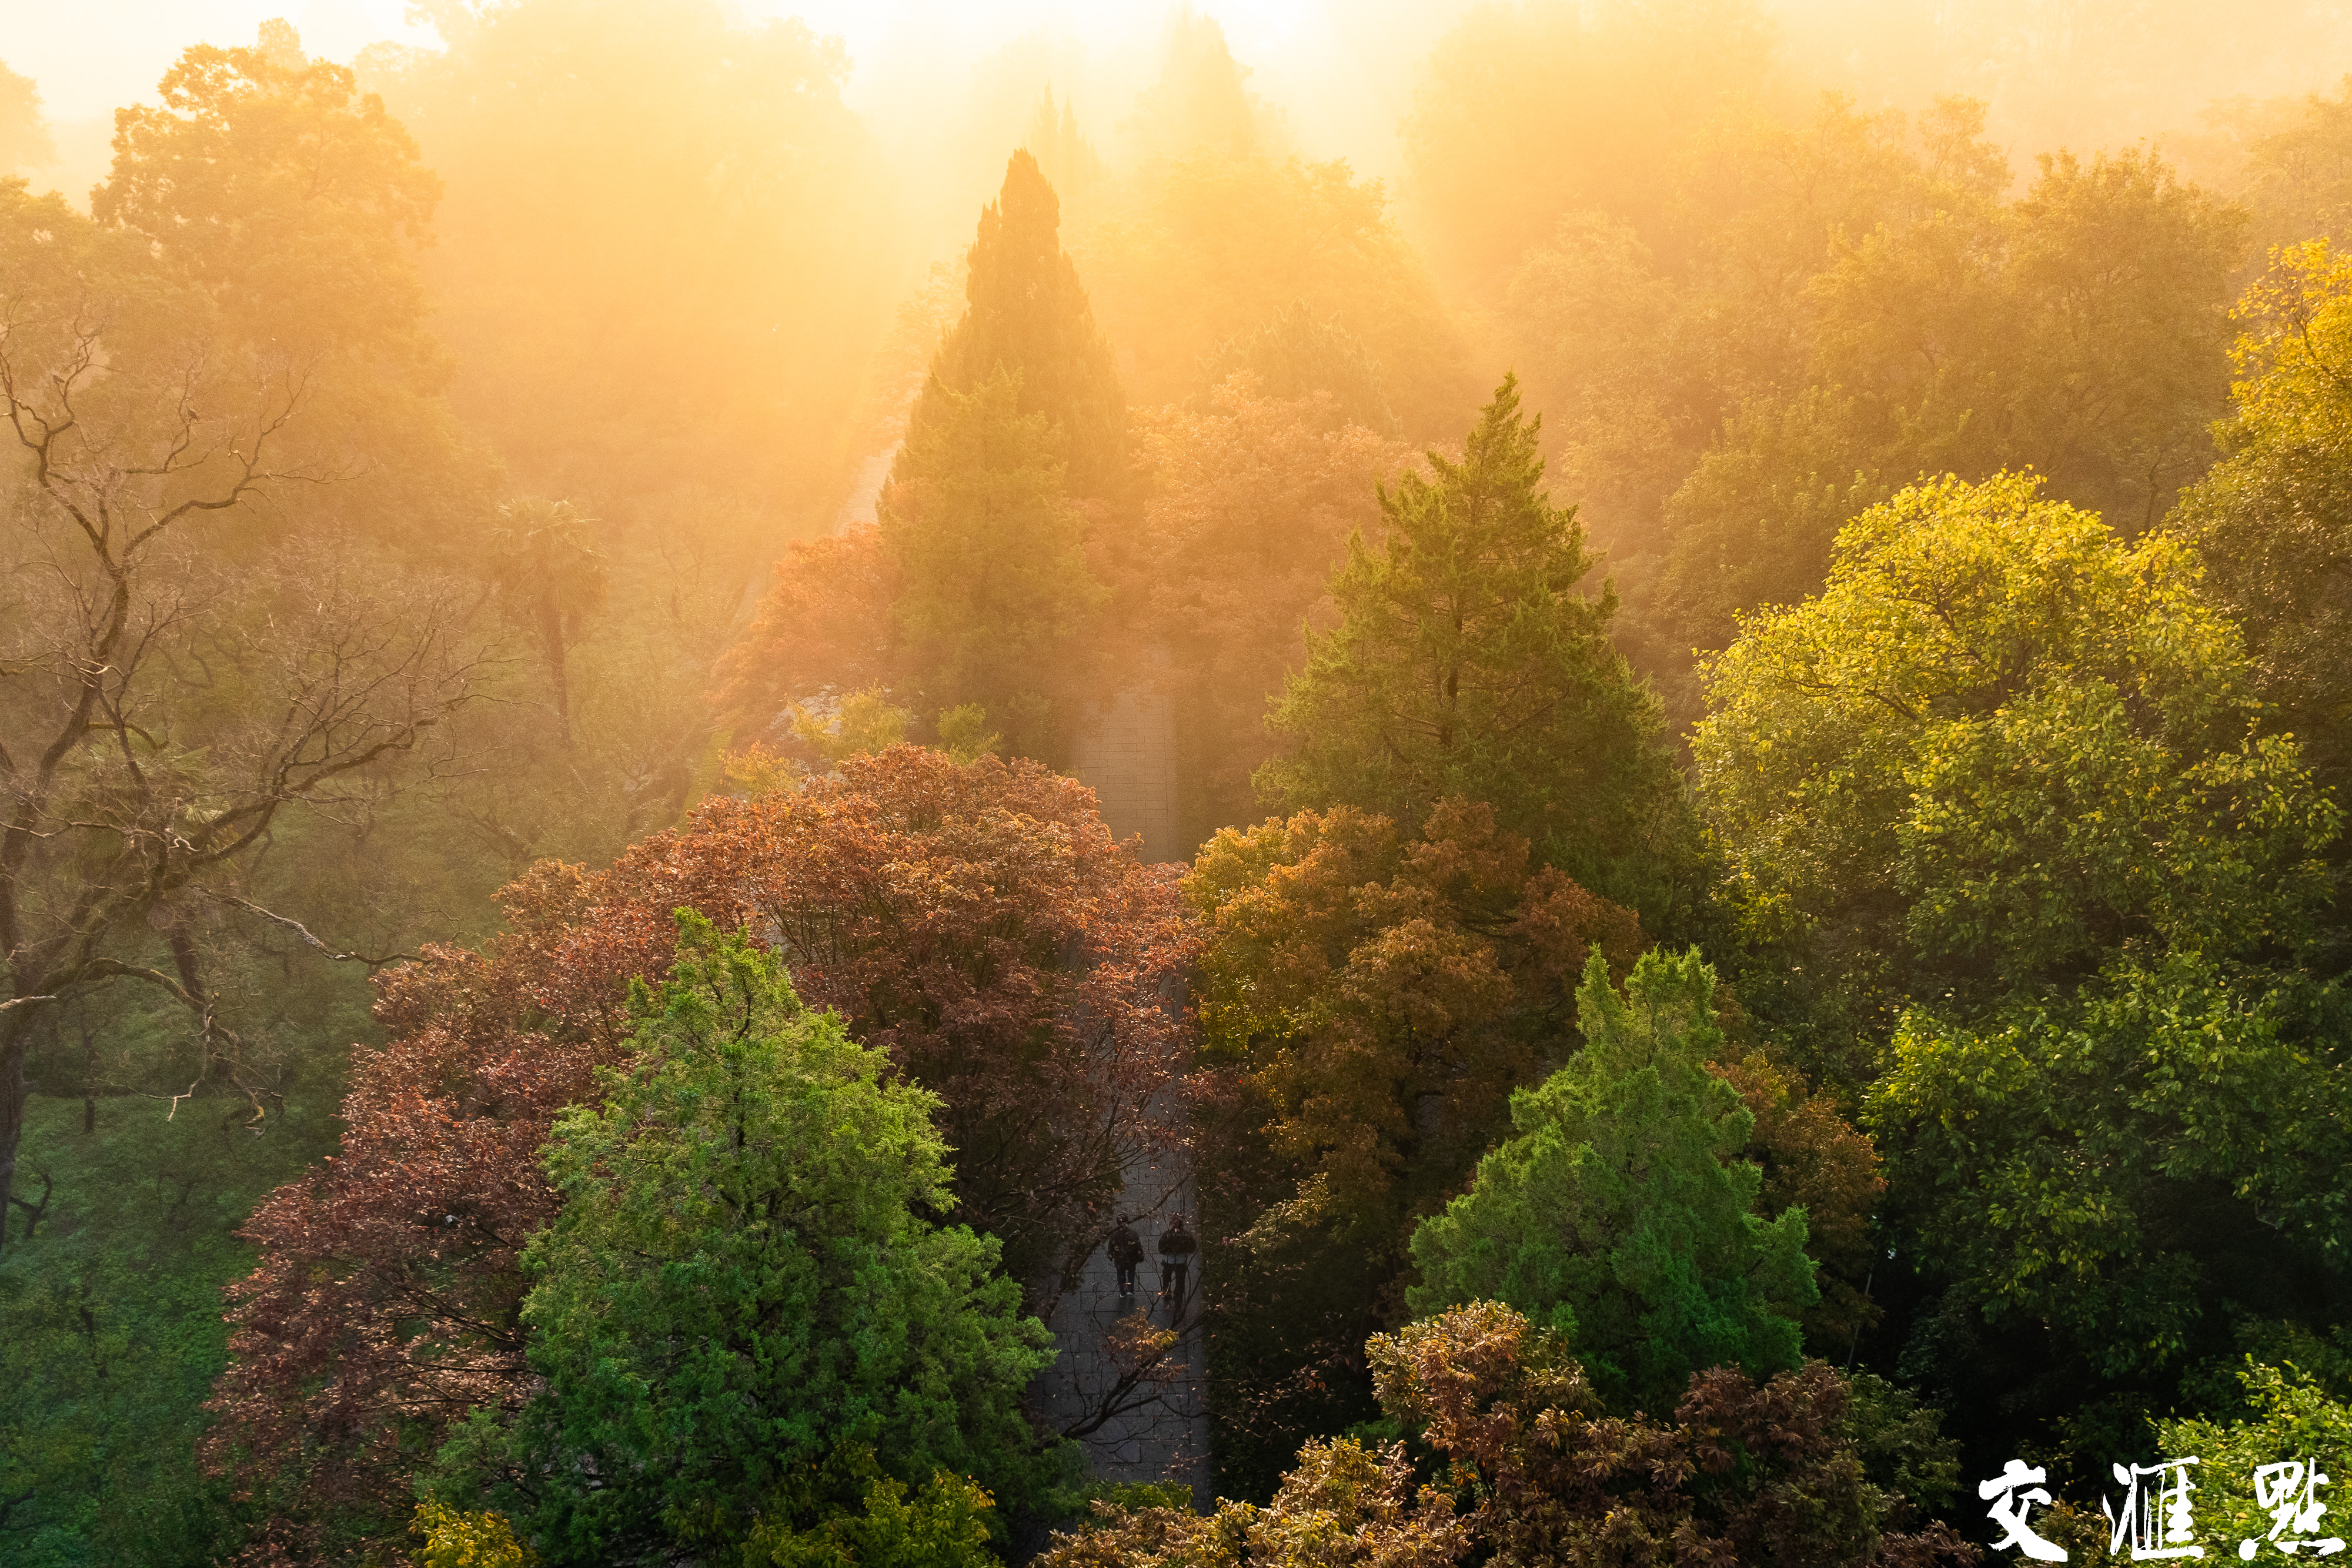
(1466,663)
(991,555)
(1026,314)
(1022,412)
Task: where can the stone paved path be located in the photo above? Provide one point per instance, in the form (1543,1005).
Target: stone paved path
(1168,1438)
(1125,751)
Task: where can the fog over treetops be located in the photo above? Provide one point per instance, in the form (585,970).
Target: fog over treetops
(1627,725)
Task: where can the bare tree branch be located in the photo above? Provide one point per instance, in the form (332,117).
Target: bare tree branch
(304,931)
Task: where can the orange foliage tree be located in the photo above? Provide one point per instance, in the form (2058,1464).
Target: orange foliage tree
(823,625)
(1530,1471)
(976,921)
(1383,993)
(1373,996)
(1814,1159)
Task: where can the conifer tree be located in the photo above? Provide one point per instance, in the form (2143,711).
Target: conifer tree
(1467,663)
(1067,158)
(990,555)
(1619,1214)
(745,1277)
(1027,315)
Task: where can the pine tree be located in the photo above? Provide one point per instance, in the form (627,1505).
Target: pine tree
(1201,99)
(1467,663)
(1063,152)
(990,554)
(1619,1214)
(1026,315)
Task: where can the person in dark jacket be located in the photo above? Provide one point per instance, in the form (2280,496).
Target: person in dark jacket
(1177,1246)
(1126,1252)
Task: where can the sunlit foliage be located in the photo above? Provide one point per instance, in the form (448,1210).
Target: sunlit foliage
(2270,520)
(2003,742)
(1618,1213)
(1470,659)
(588,454)
(743,1277)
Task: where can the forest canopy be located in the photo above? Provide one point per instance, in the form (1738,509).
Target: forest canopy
(1506,782)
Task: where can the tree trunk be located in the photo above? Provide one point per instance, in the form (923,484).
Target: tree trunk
(551,633)
(16,1039)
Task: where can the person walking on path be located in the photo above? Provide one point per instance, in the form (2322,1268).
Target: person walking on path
(1177,1246)
(1126,1252)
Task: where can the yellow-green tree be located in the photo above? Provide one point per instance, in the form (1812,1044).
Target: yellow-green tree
(297,204)
(2001,743)
(2273,518)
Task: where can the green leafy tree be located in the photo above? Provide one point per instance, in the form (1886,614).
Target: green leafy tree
(742,1279)
(2298,171)
(2130,1165)
(297,204)
(991,558)
(2080,331)
(2002,742)
(2292,1421)
(1026,316)
(1618,1213)
(25,139)
(2273,518)
(1467,663)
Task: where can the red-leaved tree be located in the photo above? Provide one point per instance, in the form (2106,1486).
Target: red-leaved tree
(824,626)
(1530,1471)
(975,920)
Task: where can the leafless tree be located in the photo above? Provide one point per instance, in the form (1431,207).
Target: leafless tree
(181,659)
